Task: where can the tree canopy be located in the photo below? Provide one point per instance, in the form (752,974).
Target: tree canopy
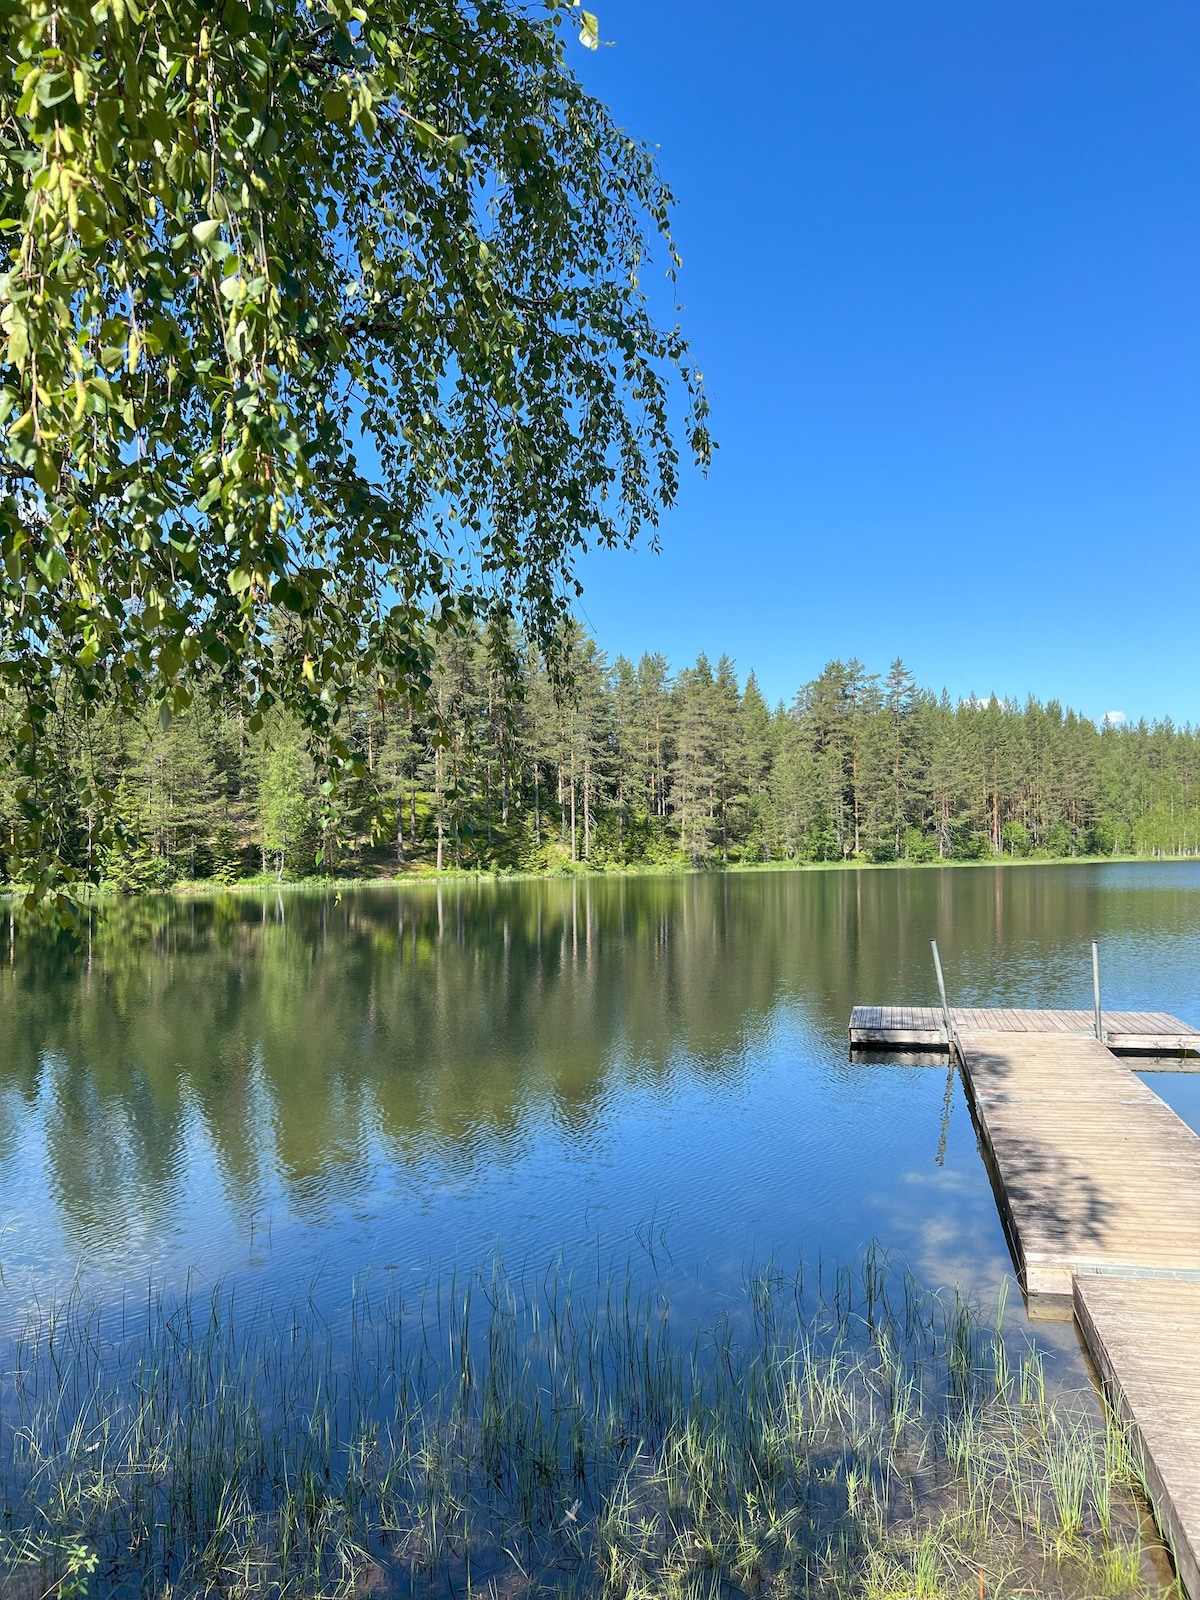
(636,765)
(326,331)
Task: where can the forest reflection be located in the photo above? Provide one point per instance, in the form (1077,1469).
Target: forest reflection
(308,1031)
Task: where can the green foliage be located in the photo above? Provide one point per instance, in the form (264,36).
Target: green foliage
(919,846)
(226,857)
(868,1440)
(128,864)
(1171,827)
(967,843)
(323,334)
(81,1563)
(507,769)
(1060,841)
(285,799)
(1014,837)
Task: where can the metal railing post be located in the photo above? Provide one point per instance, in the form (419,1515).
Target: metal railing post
(1096,989)
(951,1041)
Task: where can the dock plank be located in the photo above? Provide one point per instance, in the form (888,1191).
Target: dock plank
(1142,1337)
(1127,1032)
(1089,1165)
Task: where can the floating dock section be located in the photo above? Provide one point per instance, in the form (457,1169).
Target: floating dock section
(1098,1185)
(924,1028)
(1142,1336)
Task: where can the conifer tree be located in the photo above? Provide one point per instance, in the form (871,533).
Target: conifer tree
(729,756)
(695,769)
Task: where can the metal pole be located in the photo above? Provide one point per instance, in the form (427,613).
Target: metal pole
(1096,989)
(937,963)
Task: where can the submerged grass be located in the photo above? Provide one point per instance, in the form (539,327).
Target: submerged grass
(861,1438)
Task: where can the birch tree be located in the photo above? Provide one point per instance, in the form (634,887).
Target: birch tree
(313,309)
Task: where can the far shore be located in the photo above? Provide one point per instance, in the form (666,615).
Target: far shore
(425,876)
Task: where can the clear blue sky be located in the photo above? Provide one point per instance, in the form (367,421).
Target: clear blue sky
(942,272)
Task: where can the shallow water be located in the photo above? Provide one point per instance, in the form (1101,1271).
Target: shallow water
(307,1090)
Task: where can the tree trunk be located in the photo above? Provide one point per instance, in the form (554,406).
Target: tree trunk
(587,808)
(441,821)
(574,848)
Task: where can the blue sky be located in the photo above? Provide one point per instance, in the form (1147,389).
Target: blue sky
(942,274)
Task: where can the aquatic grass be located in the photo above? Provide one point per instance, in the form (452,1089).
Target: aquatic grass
(852,1436)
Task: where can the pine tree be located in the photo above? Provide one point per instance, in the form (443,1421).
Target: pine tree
(695,770)
(286,801)
(658,731)
(539,736)
(899,702)
(729,756)
(759,745)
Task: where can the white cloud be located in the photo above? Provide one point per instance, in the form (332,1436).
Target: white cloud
(1114,719)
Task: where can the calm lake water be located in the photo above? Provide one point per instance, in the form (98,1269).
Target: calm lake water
(306,1091)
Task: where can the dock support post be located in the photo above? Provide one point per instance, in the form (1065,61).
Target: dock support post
(951,1041)
(1096,990)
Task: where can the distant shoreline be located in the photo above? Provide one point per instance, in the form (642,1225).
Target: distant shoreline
(203,888)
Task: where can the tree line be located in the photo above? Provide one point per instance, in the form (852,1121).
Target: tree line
(501,767)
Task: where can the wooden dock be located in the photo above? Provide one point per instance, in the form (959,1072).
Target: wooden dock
(1098,1185)
(1142,1338)
(1093,1173)
(924,1027)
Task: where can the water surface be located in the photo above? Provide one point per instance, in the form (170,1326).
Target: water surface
(306,1090)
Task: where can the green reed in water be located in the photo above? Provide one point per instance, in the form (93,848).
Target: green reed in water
(857,1438)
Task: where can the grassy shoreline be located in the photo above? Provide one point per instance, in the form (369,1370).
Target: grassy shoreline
(426,876)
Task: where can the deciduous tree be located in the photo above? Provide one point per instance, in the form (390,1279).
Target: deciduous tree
(314,309)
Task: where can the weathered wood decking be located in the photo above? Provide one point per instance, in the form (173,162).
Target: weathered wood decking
(924,1028)
(1093,1173)
(1098,1184)
(1142,1337)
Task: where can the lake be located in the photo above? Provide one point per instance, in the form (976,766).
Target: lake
(314,1090)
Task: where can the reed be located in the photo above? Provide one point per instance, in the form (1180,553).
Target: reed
(857,1437)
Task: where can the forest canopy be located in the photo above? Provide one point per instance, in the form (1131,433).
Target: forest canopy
(635,765)
(324,334)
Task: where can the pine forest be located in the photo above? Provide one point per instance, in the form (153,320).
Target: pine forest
(632,765)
